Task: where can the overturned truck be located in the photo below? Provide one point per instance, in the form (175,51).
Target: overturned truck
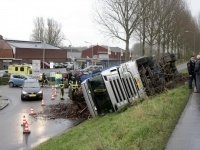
(118,86)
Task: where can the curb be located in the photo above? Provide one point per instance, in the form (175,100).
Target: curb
(4,101)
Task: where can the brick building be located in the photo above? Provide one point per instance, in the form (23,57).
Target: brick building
(100,55)
(30,50)
(6,55)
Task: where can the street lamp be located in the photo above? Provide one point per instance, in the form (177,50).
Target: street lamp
(194,39)
(70,47)
(43,55)
(92,51)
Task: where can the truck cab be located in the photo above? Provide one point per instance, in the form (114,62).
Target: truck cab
(19,69)
(111,90)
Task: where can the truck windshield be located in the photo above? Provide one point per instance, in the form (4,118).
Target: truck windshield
(100,95)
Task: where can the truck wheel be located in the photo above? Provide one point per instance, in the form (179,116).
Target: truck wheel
(143,60)
(11,84)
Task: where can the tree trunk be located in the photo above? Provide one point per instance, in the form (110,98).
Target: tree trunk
(127,56)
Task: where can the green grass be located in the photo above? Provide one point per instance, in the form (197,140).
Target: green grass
(4,80)
(184,71)
(144,126)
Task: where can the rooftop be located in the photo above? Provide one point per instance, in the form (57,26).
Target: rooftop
(30,44)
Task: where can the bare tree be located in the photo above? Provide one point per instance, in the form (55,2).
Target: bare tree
(38,31)
(52,34)
(117,19)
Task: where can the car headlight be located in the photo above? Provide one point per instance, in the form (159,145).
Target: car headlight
(40,92)
(23,92)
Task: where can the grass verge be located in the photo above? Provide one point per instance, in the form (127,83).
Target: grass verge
(185,71)
(145,126)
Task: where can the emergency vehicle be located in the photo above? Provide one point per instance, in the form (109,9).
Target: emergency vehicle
(19,69)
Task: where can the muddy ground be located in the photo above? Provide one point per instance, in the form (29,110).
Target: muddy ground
(78,110)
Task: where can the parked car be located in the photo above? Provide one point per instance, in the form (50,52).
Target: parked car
(65,64)
(4,73)
(31,89)
(56,65)
(17,79)
(64,75)
(70,66)
(91,68)
(61,65)
(46,65)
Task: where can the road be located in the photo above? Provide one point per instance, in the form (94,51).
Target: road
(11,134)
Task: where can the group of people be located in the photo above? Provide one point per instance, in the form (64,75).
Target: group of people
(193,67)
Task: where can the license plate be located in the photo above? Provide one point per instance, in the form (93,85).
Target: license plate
(32,95)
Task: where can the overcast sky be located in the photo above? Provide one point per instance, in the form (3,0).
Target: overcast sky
(16,20)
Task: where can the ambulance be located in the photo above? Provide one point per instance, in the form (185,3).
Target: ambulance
(19,69)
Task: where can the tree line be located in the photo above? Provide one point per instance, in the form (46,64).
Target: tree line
(161,26)
(166,25)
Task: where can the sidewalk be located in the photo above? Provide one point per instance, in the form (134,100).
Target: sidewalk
(3,102)
(186,135)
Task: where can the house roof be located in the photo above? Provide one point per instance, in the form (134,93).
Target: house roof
(113,49)
(30,44)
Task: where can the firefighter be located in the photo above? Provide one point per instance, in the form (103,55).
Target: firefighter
(73,87)
(62,86)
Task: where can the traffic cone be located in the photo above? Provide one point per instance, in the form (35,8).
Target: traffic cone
(52,88)
(55,93)
(24,121)
(26,130)
(55,90)
(42,103)
(52,97)
(32,112)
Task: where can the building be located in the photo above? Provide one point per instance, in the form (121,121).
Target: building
(30,50)
(6,55)
(100,55)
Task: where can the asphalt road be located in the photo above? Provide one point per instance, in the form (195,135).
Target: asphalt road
(11,131)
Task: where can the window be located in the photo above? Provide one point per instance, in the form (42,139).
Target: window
(16,68)
(16,76)
(21,68)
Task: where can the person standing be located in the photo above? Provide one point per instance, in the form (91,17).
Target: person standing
(56,79)
(191,67)
(62,86)
(197,72)
(43,79)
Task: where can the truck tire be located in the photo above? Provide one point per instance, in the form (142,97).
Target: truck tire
(142,60)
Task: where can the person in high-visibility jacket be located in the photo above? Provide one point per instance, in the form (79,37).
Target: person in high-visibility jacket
(62,86)
(56,79)
(60,78)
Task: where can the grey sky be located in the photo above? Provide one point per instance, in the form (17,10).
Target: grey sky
(16,21)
